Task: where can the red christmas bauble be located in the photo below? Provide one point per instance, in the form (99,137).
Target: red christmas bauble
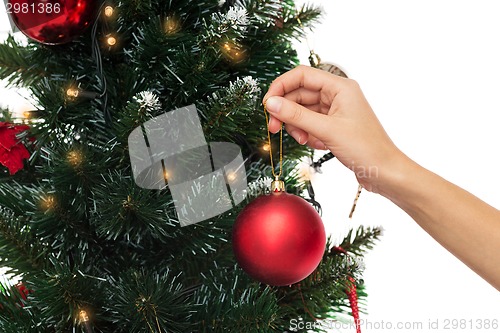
(52,21)
(279,239)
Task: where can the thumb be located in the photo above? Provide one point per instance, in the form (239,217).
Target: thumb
(295,114)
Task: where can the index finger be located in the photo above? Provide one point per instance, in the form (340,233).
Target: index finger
(303,76)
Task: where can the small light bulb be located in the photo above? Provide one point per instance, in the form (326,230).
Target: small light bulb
(84,317)
(75,158)
(48,202)
(26,115)
(172,25)
(108,11)
(233,52)
(266,147)
(231,176)
(166,174)
(305,172)
(72,92)
(111,41)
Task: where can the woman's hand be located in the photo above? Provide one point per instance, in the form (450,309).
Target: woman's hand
(330,112)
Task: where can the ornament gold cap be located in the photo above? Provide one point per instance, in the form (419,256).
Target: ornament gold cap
(277,185)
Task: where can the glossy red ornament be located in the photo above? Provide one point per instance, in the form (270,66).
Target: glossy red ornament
(52,21)
(279,239)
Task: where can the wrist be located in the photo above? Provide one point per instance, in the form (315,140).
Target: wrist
(393,175)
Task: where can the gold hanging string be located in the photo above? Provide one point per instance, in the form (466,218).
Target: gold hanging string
(276,176)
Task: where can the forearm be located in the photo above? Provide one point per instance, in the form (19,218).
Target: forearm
(468,227)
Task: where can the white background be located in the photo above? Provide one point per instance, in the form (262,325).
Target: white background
(431,71)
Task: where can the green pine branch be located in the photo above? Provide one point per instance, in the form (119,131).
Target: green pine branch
(361,240)
(159,301)
(21,250)
(5,115)
(15,64)
(228,298)
(13,315)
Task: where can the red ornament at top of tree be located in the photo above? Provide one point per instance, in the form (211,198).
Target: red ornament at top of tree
(279,239)
(52,21)
(12,152)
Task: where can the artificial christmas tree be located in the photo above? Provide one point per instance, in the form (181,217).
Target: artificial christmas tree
(98,253)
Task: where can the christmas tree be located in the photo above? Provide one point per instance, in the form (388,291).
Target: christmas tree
(96,252)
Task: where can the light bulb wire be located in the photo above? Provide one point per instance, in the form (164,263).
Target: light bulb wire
(97,56)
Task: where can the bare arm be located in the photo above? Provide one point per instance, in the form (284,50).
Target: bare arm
(329,112)
(466,226)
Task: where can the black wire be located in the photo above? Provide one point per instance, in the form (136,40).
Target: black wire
(310,190)
(312,199)
(97,56)
(319,163)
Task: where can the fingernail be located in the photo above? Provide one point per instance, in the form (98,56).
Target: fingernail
(273,104)
(296,135)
